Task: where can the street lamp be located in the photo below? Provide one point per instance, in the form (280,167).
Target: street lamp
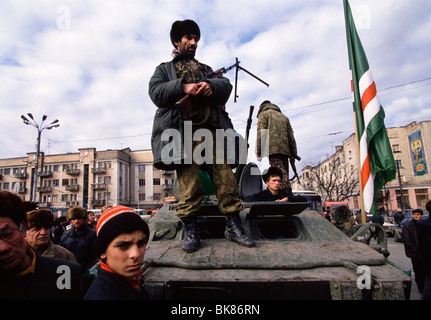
(39,128)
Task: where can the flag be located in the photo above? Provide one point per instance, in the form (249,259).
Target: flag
(377,164)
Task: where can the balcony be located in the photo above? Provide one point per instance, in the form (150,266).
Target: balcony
(167,186)
(21,175)
(168,172)
(44,204)
(22,190)
(73,172)
(72,187)
(44,189)
(98,170)
(72,203)
(45,174)
(98,203)
(98,186)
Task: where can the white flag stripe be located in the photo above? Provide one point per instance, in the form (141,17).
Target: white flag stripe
(365,81)
(372,108)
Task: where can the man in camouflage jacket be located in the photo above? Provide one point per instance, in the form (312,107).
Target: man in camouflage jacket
(277,142)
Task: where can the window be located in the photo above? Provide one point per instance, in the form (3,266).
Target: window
(141,182)
(156,182)
(396,148)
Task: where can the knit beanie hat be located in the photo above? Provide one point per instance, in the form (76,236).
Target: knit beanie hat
(115,221)
(272,171)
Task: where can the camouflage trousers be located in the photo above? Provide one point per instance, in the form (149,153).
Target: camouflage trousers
(281,161)
(191,192)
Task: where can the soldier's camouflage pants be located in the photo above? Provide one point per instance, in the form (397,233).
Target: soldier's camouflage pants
(191,192)
(281,161)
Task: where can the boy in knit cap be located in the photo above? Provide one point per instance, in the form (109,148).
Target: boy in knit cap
(121,242)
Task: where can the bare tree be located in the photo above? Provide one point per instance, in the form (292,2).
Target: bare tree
(334,179)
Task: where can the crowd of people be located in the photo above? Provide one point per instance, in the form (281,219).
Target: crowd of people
(32,267)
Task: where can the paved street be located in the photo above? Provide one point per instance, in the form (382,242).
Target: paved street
(399,258)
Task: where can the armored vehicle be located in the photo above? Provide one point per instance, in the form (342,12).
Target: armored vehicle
(298,255)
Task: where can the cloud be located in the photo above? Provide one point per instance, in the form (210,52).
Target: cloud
(88,64)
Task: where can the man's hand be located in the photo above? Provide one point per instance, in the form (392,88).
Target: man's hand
(201,88)
(282,200)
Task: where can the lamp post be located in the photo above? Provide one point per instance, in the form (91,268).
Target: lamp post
(40,127)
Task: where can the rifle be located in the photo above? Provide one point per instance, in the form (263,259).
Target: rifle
(185,108)
(293,165)
(241,166)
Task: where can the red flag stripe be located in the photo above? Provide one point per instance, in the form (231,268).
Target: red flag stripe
(369,94)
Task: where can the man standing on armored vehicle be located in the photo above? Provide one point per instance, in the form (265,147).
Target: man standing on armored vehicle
(171,82)
(275,139)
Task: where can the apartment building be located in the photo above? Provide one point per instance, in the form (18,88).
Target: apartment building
(411,147)
(88,178)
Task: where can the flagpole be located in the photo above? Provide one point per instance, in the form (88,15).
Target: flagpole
(361,194)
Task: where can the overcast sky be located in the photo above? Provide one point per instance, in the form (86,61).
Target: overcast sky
(87,63)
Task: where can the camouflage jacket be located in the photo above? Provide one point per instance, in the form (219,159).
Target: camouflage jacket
(281,139)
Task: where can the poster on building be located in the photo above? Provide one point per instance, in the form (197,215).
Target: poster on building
(417,153)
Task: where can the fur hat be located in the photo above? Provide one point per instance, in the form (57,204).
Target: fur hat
(115,221)
(272,171)
(181,28)
(77,213)
(40,218)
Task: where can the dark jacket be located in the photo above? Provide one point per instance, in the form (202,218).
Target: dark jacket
(110,286)
(165,89)
(43,283)
(266,195)
(80,242)
(410,239)
(424,233)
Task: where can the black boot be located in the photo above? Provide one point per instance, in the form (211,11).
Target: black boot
(235,232)
(191,237)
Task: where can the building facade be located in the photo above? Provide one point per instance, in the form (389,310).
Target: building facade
(88,178)
(337,177)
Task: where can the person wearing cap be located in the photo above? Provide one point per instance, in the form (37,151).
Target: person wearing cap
(79,239)
(39,224)
(410,238)
(122,236)
(24,274)
(275,139)
(171,82)
(273,178)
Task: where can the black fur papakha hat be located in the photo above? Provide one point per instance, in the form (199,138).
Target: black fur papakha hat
(181,28)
